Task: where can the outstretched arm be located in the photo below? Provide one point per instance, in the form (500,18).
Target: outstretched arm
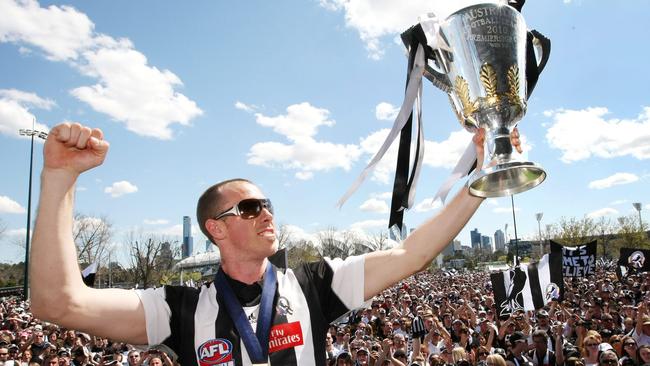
(58,292)
(424,244)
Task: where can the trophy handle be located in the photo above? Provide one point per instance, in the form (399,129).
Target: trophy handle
(543,47)
(437,78)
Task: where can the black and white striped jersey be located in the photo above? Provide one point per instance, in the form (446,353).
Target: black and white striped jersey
(195,325)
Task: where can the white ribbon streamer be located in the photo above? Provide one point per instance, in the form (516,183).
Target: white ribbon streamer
(461,170)
(414,84)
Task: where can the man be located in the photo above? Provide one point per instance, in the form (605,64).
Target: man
(518,347)
(541,355)
(200,324)
(4,354)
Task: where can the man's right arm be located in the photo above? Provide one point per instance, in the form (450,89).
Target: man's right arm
(58,293)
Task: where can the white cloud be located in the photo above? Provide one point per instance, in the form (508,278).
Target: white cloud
(428,204)
(602,212)
(581,134)
(15,114)
(174,230)
(307,155)
(618,202)
(444,154)
(304,175)
(17,232)
(244,107)
(302,120)
(156,222)
(614,180)
(7,205)
(120,188)
(27,98)
(501,210)
(61,32)
(375,205)
(386,111)
(383,195)
(304,154)
(365,225)
(376,19)
(128,90)
(297,233)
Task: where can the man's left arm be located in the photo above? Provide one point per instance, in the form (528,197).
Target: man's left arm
(384,268)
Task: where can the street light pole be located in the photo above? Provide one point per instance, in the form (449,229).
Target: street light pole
(637,206)
(538,216)
(43,135)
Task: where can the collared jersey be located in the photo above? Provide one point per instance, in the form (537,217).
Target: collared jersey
(196,326)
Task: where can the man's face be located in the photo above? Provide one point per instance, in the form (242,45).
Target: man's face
(646,329)
(155,362)
(4,354)
(252,238)
(135,358)
(398,341)
(39,338)
(540,344)
(362,358)
(520,346)
(542,321)
(53,361)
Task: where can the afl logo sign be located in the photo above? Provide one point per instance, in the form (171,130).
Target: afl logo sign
(215,352)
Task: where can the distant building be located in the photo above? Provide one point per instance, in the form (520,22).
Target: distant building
(486,243)
(393,234)
(188,245)
(208,246)
(475,237)
(499,240)
(449,250)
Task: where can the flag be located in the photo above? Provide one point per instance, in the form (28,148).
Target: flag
(632,261)
(528,286)
(578,261)
(88,274)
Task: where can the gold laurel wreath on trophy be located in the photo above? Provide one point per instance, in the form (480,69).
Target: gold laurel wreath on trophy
(492,98)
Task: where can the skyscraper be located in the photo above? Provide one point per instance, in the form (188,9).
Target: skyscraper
(475,237)
(486,243)
(187,248)
(499,240)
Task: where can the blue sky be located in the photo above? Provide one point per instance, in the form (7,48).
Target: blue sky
(298,96)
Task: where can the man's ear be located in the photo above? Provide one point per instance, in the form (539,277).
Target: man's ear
(216,228)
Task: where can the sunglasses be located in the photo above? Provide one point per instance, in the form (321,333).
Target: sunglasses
(483,353)
(609,362)
(248,209)
(629,344)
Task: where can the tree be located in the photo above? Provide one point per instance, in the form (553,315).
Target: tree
(146,251)
(284,236)
(91,236)
(334,244)
(300,252)
(573,231)
(380,241)
(629,235)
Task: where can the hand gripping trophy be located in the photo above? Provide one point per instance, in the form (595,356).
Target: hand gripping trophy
(484,60)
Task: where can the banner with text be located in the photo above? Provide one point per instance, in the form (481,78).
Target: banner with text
(578,261)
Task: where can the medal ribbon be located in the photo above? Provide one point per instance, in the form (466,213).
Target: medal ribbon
(256,343)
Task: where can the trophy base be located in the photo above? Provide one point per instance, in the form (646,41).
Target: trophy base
(506,179)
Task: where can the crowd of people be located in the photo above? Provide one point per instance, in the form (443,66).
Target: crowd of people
(27,341)
(429,319)
(436,319)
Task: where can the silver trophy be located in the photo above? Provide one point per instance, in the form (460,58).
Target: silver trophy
(480,61)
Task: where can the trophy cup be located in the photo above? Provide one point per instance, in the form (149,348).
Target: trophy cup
(481,62)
